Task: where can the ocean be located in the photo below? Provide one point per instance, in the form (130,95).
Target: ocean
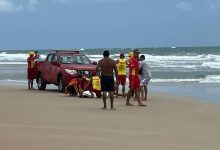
(176,70)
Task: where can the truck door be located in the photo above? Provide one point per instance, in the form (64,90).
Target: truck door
(50,70)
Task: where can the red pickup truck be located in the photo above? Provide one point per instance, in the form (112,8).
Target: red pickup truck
(60,67)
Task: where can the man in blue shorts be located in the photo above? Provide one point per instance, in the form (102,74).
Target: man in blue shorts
(107,66)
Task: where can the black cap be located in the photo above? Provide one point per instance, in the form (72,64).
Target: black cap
(136,51)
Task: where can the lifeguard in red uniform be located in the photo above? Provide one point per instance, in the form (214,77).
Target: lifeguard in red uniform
(30,70)
(134,79)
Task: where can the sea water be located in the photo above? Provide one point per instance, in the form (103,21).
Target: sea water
(190,71)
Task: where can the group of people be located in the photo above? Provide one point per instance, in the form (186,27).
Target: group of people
(102,83)
(110,74)
(33,56)
(139,76)
(84,86)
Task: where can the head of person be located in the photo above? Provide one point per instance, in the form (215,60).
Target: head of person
(136,53)
(106,53)
(122,56)
(36,52)
(130,54)
(142,57)
(31,54)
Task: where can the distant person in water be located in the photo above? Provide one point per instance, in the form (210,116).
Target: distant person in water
(121,67)
(30,70)
(134,82)
(145,76)
(107,66)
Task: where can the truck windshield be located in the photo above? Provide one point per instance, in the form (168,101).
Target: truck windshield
(77,59)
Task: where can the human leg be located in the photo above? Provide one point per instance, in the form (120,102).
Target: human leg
(29,84)
(104,99)
(32,82)
(142,92)
(128,97)
(145,92)
(111,93)
(137,92)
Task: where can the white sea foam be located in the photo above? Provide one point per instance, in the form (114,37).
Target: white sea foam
(208,79)
(212,65)
(12,63)
(6,58)
(211,79)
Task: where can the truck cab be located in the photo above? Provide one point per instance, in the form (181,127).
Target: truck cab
(60,67)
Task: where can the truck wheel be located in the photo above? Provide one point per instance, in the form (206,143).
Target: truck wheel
(61,85)
(41,84)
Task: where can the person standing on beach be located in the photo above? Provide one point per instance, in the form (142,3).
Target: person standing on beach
(121,67)
(145,76)
(134,79)
(31,70)
(107,66)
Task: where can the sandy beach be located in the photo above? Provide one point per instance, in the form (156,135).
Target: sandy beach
(48,120)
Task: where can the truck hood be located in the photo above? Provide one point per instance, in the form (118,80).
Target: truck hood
(78,67)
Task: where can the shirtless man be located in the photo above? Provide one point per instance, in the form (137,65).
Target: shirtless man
(107,66)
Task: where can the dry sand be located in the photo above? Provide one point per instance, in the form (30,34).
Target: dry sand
(48,120)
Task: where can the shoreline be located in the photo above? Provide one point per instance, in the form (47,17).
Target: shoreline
(49,120)
(204,92)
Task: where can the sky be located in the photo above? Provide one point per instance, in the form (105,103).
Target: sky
(48,24)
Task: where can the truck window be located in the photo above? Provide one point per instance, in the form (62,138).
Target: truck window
(49,58)
(77,59)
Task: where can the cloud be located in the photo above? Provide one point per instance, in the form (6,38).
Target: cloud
(62,1)
(10,6)
(213,5)
(87,1)
(185,6)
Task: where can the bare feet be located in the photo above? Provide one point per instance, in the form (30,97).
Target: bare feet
(141,104)
(103,108)
(129,104)
(113,108)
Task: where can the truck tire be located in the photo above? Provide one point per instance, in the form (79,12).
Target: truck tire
(61,85)
(41,84)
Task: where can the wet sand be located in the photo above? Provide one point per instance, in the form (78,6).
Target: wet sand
(48,120)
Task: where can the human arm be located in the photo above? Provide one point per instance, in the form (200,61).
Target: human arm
(98,69)
(116,71)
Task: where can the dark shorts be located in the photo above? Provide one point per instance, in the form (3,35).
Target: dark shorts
(107,83)
(122,79)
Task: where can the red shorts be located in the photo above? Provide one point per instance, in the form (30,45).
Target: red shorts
(122,79)
(31,73)
(97,92)
(134,82)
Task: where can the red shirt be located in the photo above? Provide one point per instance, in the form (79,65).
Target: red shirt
(74,81)
(133,66)
(30,61)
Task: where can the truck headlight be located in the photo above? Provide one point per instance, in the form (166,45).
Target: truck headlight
(70,71)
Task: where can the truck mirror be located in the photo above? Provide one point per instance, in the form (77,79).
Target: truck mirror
(53,62)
